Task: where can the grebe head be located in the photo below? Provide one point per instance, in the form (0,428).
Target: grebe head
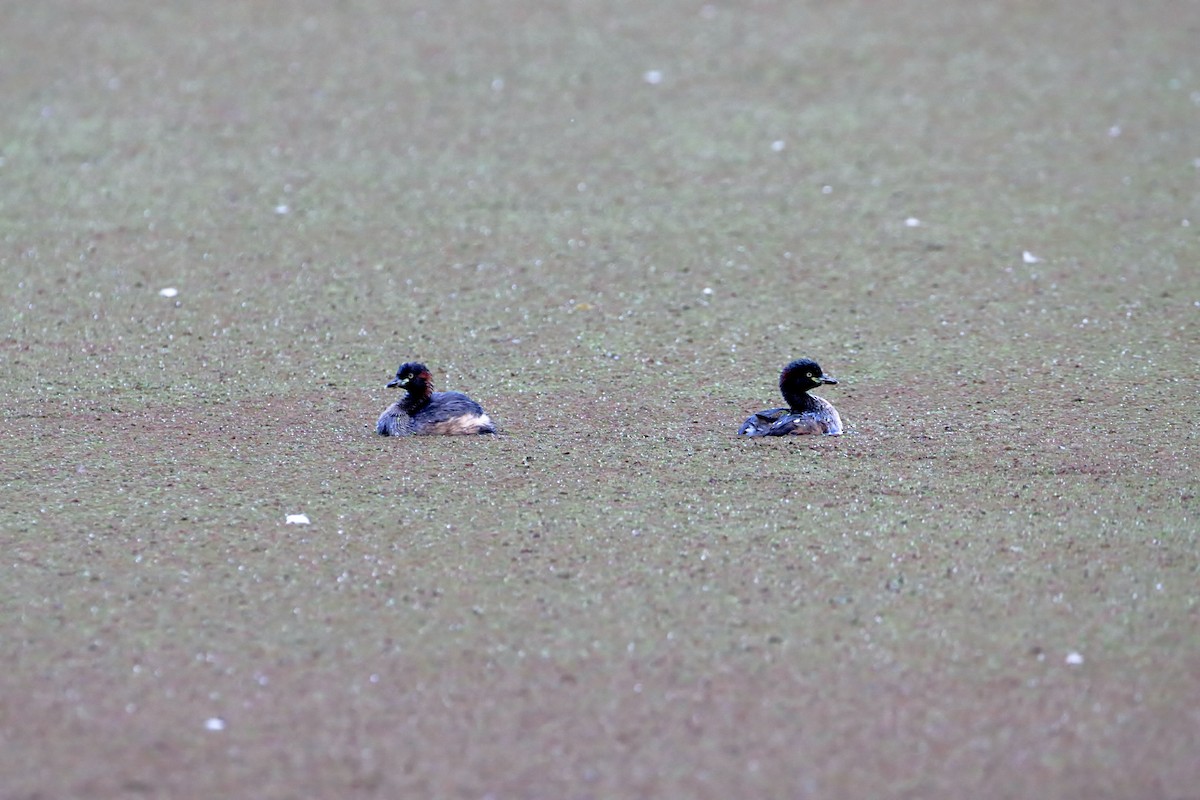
(411,376)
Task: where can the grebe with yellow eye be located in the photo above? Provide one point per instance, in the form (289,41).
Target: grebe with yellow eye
(806,413)
(424,412)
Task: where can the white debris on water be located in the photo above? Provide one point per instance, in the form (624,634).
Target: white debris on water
(297,519)
(170,291)
(282,209)
(652,76)
(778,145)
(1030,258)
(1074,659)
(912,222)
(214,724)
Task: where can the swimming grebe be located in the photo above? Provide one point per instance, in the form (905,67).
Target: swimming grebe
(805,413)
(424,412)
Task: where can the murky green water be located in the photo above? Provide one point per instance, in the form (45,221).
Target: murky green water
(981,220)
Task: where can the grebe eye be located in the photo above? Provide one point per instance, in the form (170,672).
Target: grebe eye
(809,374)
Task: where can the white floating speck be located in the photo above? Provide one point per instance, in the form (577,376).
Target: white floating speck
(912,222)
(652,77)
(282,208)
(170,291)
(708,290)
(1114,131)
(214,724)
(1074,659)
(497,84)
(826,189)
(297,519)
(1029,258)
(778,145)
